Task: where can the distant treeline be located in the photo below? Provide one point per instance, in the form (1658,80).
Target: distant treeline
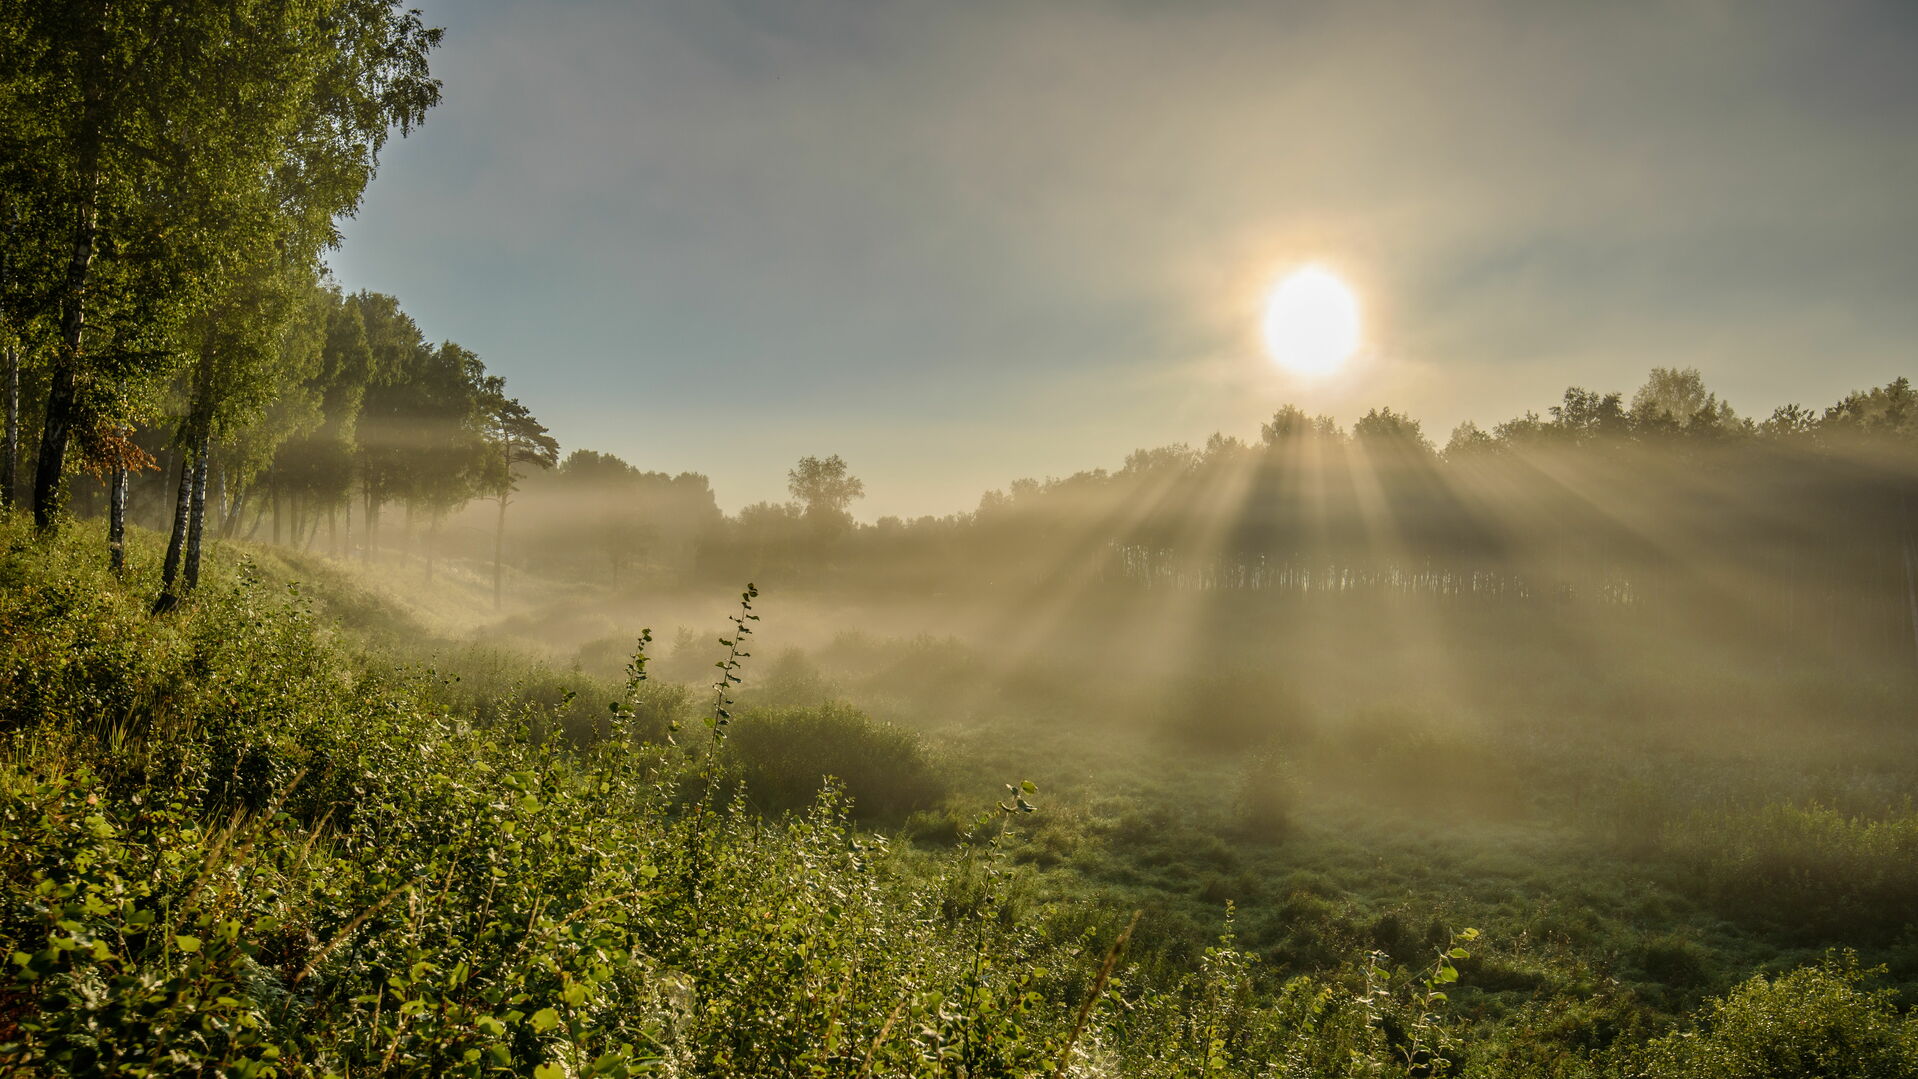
(1668,500)
(1803,521)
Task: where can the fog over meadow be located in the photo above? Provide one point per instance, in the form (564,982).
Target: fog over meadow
(717,538)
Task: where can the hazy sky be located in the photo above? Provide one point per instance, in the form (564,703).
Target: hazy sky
(964,242)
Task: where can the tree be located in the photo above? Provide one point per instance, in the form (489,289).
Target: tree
(824,487)
(406,395)
(236,342)
(1291,424)
(1162,459)
(1586,414)
(1469,441)
(293,409)
(150,141)
(514,438)
(1790,421)
(1891,409)
(1675,401)
(1384,429)
(312,470)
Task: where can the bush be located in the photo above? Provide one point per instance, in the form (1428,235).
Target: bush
(1808,868)
(784,754)
(1813,1023)
(1675,962)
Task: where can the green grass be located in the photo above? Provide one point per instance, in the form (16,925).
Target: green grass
(285,830)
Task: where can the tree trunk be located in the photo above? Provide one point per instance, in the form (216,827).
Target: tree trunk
(117,518)
(52,463)
(499,547)
(276,516)
(58,430)
(10,470)
(370,530)
(235,513)
(176,541)
(196,523)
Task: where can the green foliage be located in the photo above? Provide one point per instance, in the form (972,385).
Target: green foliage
(1808,867)
(237,843)
(166,163)
(825,487)
(1813,1023)
(282,858)
(785,754)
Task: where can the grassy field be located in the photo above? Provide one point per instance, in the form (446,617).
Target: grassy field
(300,828)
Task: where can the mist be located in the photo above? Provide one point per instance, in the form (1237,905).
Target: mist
(1096,539)
(1613,618)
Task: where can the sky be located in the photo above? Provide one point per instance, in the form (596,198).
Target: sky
(961,243)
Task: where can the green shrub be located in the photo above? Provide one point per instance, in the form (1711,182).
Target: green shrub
(785,754)
(1675,962)
(1812,1023)
(1807,868)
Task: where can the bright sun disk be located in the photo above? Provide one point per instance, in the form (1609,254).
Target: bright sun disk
(1311,322)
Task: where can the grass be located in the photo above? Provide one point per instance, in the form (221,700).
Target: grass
(286,831)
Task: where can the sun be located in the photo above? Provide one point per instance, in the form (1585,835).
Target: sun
(1311,322)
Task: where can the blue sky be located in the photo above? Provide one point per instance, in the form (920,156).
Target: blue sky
(960,243)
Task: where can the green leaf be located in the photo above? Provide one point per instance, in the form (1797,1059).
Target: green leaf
(549,1071)
(544,1020)
(186,943)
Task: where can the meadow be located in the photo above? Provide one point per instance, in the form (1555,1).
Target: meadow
(356,720)
(289,829)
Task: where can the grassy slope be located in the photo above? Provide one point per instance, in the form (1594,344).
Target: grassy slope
(242,838)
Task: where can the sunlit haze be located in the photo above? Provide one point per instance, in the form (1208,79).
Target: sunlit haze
(838,538)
